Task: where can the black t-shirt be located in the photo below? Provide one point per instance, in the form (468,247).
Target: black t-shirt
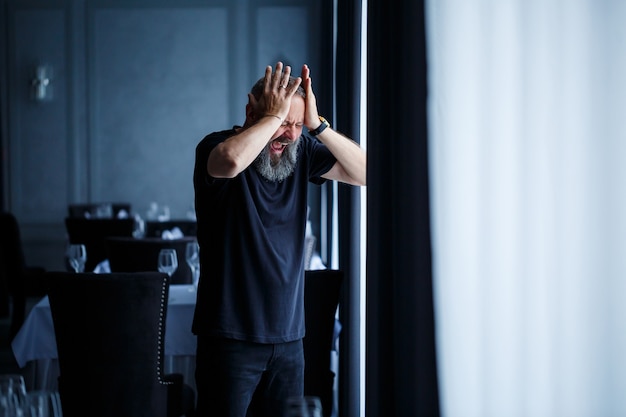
(251,234)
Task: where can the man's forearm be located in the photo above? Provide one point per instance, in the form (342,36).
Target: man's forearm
(350,156)
(236,153)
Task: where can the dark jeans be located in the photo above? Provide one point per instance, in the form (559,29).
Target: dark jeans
(244,379)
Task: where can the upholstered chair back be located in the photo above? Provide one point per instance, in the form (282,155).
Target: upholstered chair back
(127,254)
(93,233)
(18,281)
(110,339)
(322,289)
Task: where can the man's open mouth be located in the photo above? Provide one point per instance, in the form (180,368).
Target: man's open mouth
(278,146)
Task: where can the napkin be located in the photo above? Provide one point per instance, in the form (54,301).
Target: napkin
(103,267)
(175,233)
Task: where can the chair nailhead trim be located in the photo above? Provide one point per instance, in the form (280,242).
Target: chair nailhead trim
(160,346)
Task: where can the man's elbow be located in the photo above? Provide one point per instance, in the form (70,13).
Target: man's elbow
(358,182)
(222,165)
(359,177)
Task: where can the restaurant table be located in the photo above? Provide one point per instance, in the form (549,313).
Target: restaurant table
(35,350)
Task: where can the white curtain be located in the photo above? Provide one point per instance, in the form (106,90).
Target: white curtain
(528,170)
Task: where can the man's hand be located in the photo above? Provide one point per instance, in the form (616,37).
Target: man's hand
(311,116)
(277,93)
(351,160)
(264,115)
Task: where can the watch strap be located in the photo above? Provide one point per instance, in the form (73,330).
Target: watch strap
(323,125)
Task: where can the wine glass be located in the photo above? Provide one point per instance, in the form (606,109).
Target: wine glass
(43,403)
(139,227)
(12,394)
(307,406)
(168,261)
(77,256)
(192,255)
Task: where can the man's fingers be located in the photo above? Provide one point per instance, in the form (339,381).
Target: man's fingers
(253,101)
(306,72)
(295,85)
(285,79)
(268,76)
(278,74)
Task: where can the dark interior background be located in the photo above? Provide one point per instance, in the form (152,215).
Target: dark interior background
(135,85)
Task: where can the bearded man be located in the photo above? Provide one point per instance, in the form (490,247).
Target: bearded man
(251,186)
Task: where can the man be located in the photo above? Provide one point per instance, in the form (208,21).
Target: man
(251,205)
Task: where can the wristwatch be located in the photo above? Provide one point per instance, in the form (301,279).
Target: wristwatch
(320,128)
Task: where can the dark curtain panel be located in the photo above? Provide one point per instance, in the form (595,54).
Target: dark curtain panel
(347,106)
(4,155)
(401,370)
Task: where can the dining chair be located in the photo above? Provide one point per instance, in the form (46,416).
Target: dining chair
(322,289)
(135,255)
(109,332)
(93,233)
(18,281)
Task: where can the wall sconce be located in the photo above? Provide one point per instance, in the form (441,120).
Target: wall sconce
(41,85)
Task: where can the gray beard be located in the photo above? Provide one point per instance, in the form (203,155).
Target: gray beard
(279,171)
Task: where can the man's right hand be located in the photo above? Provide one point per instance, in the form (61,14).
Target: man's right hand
(277,93)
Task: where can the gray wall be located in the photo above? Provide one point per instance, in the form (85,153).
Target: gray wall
(136,85)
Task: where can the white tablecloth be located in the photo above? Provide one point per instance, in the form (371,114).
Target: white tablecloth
(35,348)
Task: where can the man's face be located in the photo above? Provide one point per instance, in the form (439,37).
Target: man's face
(277,161)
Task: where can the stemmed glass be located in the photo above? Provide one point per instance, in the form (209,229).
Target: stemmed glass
(139,227)
(43,403)
(307,406)
(12,394)
(168,261)
(77,256)
(192,255)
